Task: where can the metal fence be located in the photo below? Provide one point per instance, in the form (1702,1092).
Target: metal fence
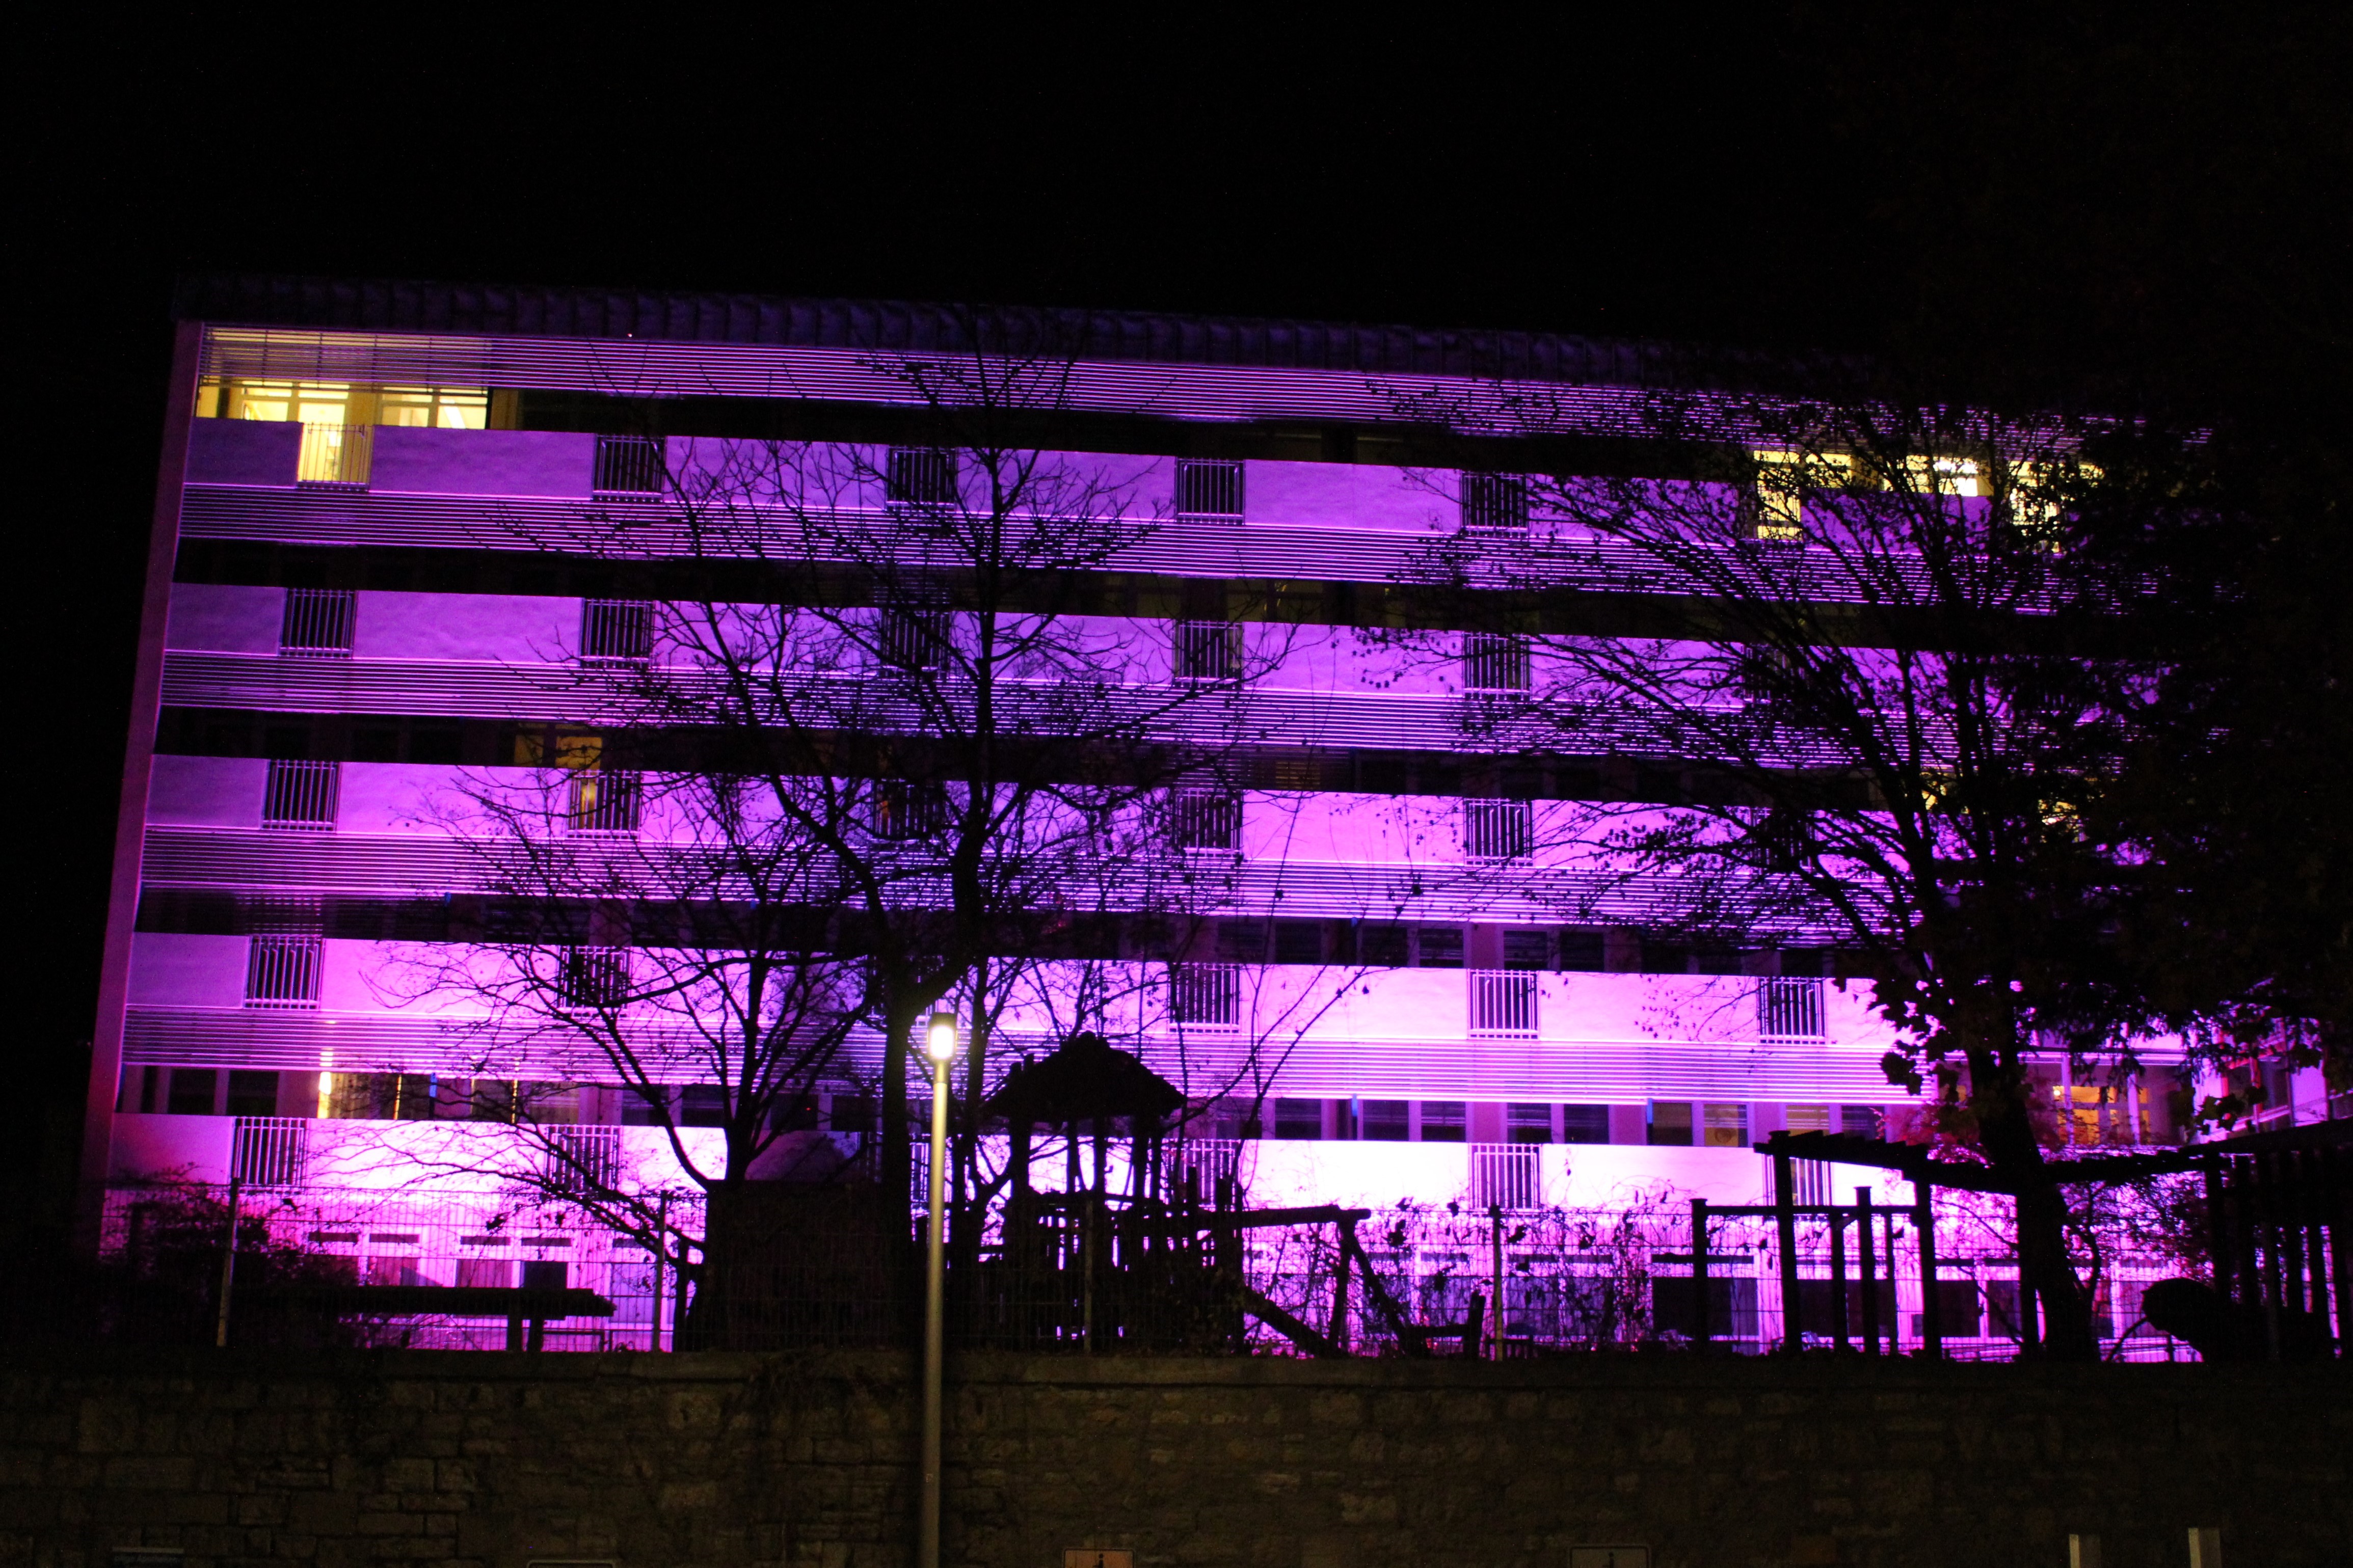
(831,1265)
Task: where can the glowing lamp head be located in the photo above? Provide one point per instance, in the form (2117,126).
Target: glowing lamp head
(940,1039)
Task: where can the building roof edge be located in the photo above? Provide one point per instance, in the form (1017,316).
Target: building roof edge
(388,305)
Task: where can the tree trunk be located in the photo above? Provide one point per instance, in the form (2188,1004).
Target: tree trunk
(2007,1138)
(708,1322)
(894,1164)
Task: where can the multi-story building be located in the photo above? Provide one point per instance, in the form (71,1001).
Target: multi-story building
(361,595)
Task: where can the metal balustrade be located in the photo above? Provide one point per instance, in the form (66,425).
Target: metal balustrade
(1500,830)
(617,631)
(922,476)
(1506,1177)
(270,1151)
(582,1160)
(910,637)
(1207,651)
(1208,489)
(301,794)
(1494,503)
(1494,662)
(606,801)
(1205,995)
(627,467)
(1503,1001)
(1207,820)
(335,455)
(282,970)
(592,979)
(1790,1009)
(318,622)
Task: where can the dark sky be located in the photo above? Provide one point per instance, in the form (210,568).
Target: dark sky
(2050,186)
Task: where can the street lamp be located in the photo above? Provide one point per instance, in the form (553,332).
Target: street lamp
(940,1046)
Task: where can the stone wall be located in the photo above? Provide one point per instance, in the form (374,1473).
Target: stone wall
(498,1461)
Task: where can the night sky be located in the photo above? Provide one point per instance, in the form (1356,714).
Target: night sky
(2113,201)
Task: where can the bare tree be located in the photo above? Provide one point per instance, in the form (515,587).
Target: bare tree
(642,932)
(943,668)
(1832,679)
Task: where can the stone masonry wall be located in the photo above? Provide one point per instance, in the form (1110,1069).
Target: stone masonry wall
(447,1460)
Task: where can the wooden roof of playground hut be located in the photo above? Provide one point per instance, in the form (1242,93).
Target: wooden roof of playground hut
(1085,1078)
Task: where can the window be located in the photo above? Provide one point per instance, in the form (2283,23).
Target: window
(1503,1001)
(910,637)
(301,794)
(345,403)
(1444,1121)
(318,622)
(1209,490)
(1207,995)
(1386,1121)
(1524,948)
(252,1093)
(434,407)
(1584,950)
(908,809)
(1500,830)
(1670,1124)
(1298,941)
(1208,651)
(702,1105)
(485,1273)
(1494,503)
(1528,1124)
(193,1090)
(1494,662)
(1775,509)
(627,466)
(1382,946)
(1725,1126)
(1299,1119)
(1440,947)
(1859,1121)
(617,631)
(1585,1125)
(282,970)
(591,978)
(604,801)
(922,476)
(1789,1010)
(1207,819)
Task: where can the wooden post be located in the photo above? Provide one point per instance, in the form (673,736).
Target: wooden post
(1784,1219)
(661,1263)
(1343,1234)
(228,1262)
(1867,1269)
(1701,1330)
(1837,1279)
(1495,1302)
(1924,1220)
(2218,1250)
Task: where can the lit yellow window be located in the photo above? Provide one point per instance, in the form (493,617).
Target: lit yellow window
(434,407)
(563,749)
(345,403)
(1782,481)
(1945,475)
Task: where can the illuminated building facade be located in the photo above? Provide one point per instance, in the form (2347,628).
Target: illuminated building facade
(353,604)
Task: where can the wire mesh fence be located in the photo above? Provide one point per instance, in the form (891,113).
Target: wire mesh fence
(785,1267)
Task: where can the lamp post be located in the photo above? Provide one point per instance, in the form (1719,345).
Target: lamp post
(940,1046)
